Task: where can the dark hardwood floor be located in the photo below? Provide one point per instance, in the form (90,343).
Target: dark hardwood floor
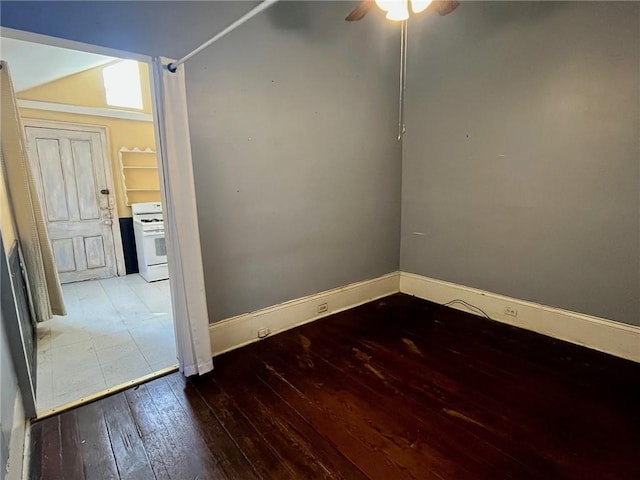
(396,389)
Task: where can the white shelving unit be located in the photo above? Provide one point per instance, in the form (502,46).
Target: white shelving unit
(136,187)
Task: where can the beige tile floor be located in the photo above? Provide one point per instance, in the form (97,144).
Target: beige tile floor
(115,330)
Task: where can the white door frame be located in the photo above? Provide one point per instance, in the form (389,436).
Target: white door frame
(197,296)
(108,167)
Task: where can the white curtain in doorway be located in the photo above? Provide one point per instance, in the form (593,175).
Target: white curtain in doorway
(41,273)
(185,257)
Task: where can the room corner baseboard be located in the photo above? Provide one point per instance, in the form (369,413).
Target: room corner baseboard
(238,331)
(599,334)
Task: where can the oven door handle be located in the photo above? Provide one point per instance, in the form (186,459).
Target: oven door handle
(153,234)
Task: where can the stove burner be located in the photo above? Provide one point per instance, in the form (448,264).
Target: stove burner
(148,220)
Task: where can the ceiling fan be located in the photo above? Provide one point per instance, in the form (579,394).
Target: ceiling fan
(399,9)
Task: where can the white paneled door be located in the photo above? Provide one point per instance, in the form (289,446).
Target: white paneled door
(72,178)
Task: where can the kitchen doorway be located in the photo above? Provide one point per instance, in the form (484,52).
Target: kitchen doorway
(93,160)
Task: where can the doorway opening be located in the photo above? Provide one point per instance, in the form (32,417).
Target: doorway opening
(95,166)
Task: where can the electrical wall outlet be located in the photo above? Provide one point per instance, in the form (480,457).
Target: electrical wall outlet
(323,307)
(512,312)
(263,332)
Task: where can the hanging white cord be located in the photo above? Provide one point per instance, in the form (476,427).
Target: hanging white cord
(403,78)
(247,16)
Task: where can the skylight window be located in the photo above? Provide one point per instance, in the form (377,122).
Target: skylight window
(122,84)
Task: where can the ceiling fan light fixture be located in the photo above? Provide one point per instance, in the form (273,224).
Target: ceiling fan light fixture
(418,6)
(399,10)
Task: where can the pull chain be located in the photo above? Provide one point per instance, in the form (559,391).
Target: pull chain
(403,78)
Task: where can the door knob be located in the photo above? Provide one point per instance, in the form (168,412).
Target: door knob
(104,191)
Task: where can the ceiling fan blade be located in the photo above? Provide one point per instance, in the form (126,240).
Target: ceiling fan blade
(445,7)
(360,11)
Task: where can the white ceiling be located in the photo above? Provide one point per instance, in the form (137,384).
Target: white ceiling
(33,64)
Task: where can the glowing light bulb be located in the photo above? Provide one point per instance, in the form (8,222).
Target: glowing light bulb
(399,10)
(385,5)
(418,6)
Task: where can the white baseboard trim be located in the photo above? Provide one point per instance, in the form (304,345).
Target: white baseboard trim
(18,446)
(26,456)
(599,334)
(238,331)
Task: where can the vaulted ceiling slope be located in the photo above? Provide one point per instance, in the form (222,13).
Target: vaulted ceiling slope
(34,64)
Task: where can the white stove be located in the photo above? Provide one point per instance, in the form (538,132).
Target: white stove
(148,229)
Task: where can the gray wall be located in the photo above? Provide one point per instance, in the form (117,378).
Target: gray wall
(8,394)
(8,382)
(292,121)
(521,162)
(297,166)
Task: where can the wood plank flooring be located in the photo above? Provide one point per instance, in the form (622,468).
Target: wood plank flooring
(396,389)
